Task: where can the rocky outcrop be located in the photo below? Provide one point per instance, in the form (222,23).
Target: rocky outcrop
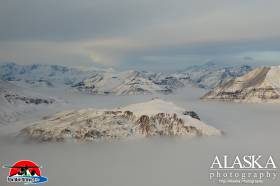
(192,114)
(13,94)
(95,125)
(259,85)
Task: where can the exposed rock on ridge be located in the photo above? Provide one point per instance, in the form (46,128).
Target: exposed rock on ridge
(94,125)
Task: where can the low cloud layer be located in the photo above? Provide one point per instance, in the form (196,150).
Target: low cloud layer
(143,34)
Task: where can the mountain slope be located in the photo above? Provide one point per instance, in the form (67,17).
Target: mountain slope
(15,102)
(121,83)
(259,85)
(152,118)
(105,81)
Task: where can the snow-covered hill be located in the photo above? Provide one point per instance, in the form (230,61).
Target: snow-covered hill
(259,85)
(152,118)
(15,102)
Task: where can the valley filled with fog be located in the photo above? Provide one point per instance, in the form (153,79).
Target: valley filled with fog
(248,129)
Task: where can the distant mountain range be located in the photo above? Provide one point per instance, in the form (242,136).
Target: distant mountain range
(118,82)
(43,75)
(211,75)
(128,83)
(260,85)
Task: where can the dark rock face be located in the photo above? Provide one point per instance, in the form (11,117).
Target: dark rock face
(80,84)
(192,114)
(11,98)
(144,124)
(170,83)
(258,93)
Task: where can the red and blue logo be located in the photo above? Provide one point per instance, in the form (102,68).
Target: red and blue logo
(26,172)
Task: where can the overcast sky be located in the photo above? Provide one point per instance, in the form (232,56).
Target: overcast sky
(144,34)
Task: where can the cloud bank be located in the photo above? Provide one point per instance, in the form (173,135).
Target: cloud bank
(143,34)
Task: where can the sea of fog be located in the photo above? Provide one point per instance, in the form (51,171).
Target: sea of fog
(249,129)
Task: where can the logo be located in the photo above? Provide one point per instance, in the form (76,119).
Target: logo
(26,172)
(247,169)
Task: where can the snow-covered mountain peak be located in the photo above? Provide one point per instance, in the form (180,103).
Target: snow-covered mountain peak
(153,106)
(119,83)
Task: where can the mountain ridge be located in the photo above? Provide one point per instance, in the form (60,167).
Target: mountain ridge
(130,82)
(260,85)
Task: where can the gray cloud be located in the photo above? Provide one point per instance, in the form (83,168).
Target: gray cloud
(83,19)
(127,33)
